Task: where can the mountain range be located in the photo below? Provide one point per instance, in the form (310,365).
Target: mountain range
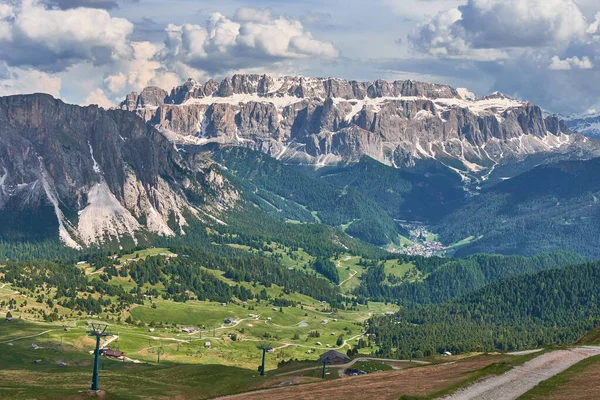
(328,121)
(362,157)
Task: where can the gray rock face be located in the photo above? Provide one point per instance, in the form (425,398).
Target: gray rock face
(105,174)
(326,121)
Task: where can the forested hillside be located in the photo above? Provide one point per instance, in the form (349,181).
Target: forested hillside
(551,307)
(287,194)
(446,278)
(426,193)
(553,207)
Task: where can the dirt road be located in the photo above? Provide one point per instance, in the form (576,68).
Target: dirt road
(27,337)
(521,379)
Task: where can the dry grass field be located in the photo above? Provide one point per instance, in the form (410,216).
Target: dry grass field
(419,381)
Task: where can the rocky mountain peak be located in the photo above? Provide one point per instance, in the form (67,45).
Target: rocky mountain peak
(326,121)
(100,175)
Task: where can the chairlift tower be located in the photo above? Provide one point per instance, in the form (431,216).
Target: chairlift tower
(159,351)
(264,346)
(98,331)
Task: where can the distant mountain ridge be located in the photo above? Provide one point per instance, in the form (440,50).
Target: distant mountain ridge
(327,121)
(587,124)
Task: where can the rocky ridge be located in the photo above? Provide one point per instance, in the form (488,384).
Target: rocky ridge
(325,121)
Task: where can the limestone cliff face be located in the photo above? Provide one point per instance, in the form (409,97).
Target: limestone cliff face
(326,121)
(104,174)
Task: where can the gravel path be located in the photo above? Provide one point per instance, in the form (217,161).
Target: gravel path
(521,379)
(27,337)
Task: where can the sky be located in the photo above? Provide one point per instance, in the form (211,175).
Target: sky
(97,51)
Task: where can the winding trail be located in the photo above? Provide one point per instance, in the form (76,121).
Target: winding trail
(109,341)
(28,336)
(339,265)
(350,277)
(521,379)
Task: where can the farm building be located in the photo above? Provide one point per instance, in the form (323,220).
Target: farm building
(168,255)
(333,357)
(114,354)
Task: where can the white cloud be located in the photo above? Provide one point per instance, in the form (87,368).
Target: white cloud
(246,14)
(140,71)
(116,83)
(496,26)
(99,98)
(594,27)
(570,63)
(251,38)
(54,39)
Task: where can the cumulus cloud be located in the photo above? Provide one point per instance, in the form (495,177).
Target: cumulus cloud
(570,63)
(79,39)
(594,27)
(137,72)
(142,70)
(494,26)
(98,97)
(251,38)
(32,35)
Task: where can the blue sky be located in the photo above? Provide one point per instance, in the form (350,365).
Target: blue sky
(96,51)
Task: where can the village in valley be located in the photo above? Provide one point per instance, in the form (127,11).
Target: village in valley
(421,241)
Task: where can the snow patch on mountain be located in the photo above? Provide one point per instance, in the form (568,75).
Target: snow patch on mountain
(277,101)
(96,165)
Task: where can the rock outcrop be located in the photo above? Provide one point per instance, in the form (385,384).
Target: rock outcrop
(105,175)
